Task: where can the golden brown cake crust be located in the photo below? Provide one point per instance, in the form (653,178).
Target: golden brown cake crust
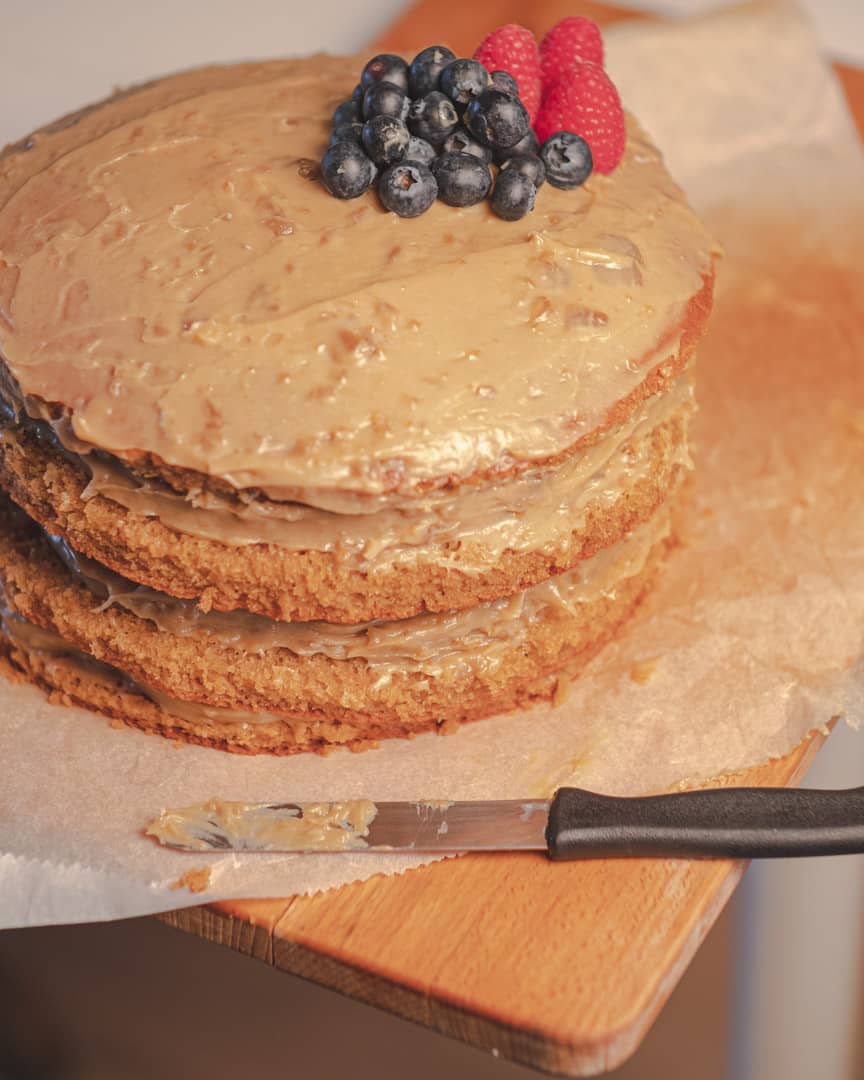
(318,700)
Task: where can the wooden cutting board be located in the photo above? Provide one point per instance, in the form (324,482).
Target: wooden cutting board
(563,967)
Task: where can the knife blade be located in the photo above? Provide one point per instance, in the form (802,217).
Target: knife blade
(709,823)
(353,825)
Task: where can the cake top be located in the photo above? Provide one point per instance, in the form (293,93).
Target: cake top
(174,275)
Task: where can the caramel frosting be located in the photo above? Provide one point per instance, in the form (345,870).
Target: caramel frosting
(430,643)
(175,281)
(219,824)
(51,646)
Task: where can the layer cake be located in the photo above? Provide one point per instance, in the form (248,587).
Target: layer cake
(285,471)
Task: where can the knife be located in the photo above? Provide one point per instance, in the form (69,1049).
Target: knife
(576,824)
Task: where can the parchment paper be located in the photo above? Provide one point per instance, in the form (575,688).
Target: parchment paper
(756,633)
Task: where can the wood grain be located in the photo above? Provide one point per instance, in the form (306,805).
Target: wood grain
(562,967)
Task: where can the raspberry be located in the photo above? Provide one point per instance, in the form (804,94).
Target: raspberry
(585,102)
(568,42)
(513,48)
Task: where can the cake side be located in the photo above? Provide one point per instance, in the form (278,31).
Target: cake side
(446,562)
(285,687)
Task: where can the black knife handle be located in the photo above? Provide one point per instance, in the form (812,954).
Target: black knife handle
(741,823)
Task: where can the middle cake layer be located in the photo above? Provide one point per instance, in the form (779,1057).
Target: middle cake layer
(442,552)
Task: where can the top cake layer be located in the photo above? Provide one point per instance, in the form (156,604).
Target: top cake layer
(174,277)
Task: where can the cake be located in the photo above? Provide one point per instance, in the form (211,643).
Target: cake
(284,471)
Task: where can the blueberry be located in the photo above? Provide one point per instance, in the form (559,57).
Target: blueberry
(528,165)
(513,196)
(346,171)
(462,80)
(432,117)
(347,133)
(460,142)
(385,139)
(384,99)
(463,180)
(420,150)
(385,67)
(357,96)
(528,145)
(503,80)
(426,68)
(408,189)
(497,119)
(567,158)
(347,113)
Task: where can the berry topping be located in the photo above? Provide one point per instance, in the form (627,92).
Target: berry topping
(460,142)
(346,171)
(420,150)
(528,145)
(528,165)
(586,102)
(569,42)
(385,139)
(463,179)
(347,113)
(384,99)
(497,119)
(513,196)
(347,133)
(513,49)
(433,117)
(462,80)
(434,129)
(408,189)
(503,80)
(567,158)
(426,68)
(385,67)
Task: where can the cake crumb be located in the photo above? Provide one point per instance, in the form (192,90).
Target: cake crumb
(563,688)
(643,671)
(195,880)
(448,727)
(205,600)
(364,745)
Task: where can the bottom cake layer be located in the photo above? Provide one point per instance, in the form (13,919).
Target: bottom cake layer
(263,686)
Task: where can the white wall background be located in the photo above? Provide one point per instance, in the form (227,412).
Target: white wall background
(56,55)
